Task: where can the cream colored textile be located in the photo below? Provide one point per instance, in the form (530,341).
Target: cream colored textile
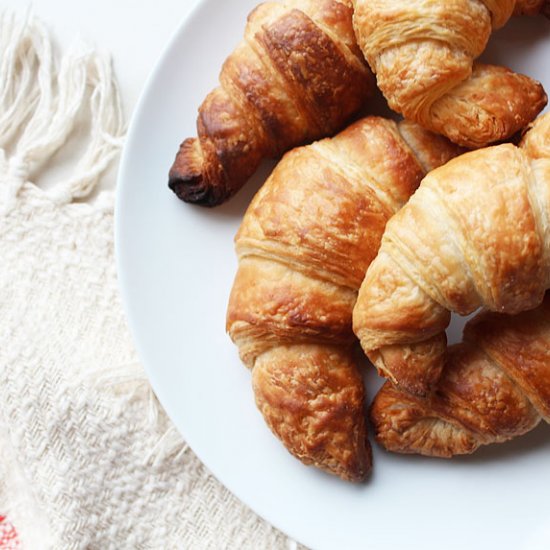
(87,457)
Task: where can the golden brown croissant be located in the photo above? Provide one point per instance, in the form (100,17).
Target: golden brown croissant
(423,53)
(495,386)
(532,7)
(476,233)
(304,245)
(298,75)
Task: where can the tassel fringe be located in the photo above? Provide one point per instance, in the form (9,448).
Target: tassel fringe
(39,104)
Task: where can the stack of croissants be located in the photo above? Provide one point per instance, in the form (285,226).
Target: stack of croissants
(378,233)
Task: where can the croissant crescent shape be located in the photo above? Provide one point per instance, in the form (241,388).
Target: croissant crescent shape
(423,53)
(298,75)
(476,233)
(495,386)
(304,246)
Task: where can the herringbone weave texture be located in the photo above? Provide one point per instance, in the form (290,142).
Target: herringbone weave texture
(87,457)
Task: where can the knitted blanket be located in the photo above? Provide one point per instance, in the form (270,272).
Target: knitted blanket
(88,458)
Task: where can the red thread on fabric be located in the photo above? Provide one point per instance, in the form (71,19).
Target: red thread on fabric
(9,539)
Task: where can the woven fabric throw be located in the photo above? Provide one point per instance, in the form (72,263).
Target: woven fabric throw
(88,459)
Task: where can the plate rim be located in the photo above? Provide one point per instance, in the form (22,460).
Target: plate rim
(120,189)
(152,374)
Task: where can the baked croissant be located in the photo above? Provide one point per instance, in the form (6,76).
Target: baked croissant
(423,54)
(495,386)
(298,75)
(476,233)
(304,246)
(532,7)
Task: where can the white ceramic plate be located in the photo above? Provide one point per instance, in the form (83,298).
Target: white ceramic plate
(176,267)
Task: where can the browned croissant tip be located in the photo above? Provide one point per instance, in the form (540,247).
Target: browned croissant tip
(391,414)
(362,469)
(312,398)
(406,424)
(538,96)
(356,470)
(186,178)
(414,369)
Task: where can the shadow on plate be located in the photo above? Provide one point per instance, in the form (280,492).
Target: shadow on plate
(535,441)
(521,34)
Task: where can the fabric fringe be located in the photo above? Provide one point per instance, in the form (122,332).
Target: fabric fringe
(18,65)
(39,104)
(88,458)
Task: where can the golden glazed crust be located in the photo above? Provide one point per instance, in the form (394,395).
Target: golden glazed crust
(476,233)
(423,53)
(304,245)
(312,398)
(298,75)
(495,386)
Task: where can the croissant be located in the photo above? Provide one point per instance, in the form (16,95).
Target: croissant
(495,386)
(298,75)
(303,246)
(476,233)
(532,7)
(423,54)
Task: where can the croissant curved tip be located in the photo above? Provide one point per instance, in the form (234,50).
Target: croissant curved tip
(406,424)
(364,469)
(187,180)
(359,476)
(357,469)
(312,398)
(536,138)
(415,368)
